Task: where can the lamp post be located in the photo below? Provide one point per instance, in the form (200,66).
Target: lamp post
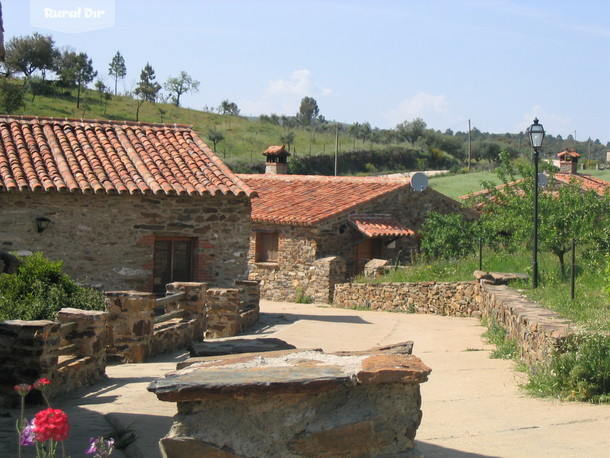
(536,134)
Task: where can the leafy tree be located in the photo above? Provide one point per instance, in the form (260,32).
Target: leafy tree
(215,136)
(104,93)
(287,139)
(308,111)
(75,70)
(11,96)
(27,54)
(179,85)
(229,108)
(147,89)
(448,236)
(411,131)
(563,213)
(117,69)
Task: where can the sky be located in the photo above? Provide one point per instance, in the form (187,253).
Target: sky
(496,63)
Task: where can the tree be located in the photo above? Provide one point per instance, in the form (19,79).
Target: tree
(147,89)
(308,111)
(75,70)
(447,236)
(563,213)
(28,54)
(117,69)
(104,93)
(411,131)
(182,84)
(215,136)
(11,96)
(228,108)
(287,139)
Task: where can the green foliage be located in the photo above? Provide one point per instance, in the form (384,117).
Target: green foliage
(447,236)
(580,372)
(506,347)
(308,111)
(302,298)
(215,136)
(27,54)
(182,84)
(117,69)
(11,96)
(39,289)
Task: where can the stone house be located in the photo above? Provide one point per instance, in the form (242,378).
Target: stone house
(312,232)
(124,205)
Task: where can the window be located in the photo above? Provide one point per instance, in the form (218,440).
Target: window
(267,246)
(173,262)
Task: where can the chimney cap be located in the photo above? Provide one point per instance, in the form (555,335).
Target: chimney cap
(569,152)
(278,150)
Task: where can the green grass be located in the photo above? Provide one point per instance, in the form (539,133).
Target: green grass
(458,185)
(245,139)
(506,347)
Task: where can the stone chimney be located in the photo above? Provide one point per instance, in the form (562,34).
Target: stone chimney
(276,160)
(568,161)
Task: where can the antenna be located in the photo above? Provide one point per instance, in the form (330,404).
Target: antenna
(419,181)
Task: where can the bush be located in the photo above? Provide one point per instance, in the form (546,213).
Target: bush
(447,236)
(40,288)
(580,373)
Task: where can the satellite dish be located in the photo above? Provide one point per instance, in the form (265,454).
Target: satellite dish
(419,181)
(543,180)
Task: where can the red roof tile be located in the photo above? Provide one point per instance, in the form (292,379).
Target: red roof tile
(308,200)
(276,151)
(379,226)
(586,182)
(112,157)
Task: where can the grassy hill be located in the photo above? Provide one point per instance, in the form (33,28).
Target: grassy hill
(245,139)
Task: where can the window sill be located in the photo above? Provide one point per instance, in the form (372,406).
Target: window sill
(267,264)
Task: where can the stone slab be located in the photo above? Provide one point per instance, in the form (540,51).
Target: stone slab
(233,346)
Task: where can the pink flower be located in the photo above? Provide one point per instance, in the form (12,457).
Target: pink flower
(23,389)
(51,424)
(41,383)
(27,435)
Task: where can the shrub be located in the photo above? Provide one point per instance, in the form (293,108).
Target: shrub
(580,373)
(447,236)
(302,298)
(40,288)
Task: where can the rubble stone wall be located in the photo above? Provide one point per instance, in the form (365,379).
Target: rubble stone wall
(439,298)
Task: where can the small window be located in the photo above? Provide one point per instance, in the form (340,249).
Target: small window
(267,246)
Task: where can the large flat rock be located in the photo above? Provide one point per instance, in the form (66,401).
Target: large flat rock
(233,346)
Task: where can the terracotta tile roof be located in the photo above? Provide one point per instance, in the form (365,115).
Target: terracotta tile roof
(112,157)
(586,182)
(308,200)
(276,151)
(568,152)
(379,226)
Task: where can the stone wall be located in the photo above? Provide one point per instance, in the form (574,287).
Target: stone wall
(108,240)
(222,313)
(440,298)
(538,331)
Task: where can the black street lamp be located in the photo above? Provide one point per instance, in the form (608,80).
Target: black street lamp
(536,134)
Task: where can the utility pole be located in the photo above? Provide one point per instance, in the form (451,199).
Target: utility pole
(469,145)
(336,147)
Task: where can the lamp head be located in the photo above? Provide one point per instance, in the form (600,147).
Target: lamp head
(536,134)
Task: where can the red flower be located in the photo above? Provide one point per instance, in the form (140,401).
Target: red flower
(41,383)
(51,424)
(23,389)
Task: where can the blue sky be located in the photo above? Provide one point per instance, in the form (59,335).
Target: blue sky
(498,63)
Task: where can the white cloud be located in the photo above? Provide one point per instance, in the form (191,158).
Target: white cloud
(431,108)
(284,96)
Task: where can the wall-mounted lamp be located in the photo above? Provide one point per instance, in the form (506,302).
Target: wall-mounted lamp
(42,223)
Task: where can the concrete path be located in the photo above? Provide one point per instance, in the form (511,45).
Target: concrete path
(472,404)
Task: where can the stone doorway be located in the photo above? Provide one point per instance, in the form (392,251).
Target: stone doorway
(173,262)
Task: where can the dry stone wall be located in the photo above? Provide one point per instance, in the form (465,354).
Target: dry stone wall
(440,298)
(537,330)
